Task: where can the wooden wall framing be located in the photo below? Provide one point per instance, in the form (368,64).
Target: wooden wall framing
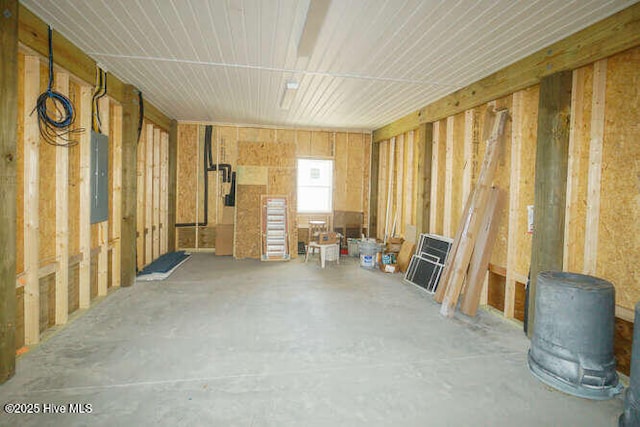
(265,160)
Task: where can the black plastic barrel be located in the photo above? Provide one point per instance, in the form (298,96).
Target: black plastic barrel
(631,415)
(572,343)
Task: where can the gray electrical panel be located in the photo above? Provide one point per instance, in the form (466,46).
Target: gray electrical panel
(99,177)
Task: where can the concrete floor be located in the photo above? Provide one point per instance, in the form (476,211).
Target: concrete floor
(225,343)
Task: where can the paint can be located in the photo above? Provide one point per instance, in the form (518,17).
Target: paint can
(368,253)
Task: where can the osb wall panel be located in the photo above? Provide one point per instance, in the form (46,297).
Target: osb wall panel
(207,237)
(20,171)
(74,288)
(321,144)
(271,154)
(303,143)
(526,183)
(502,180)
(341,168)
(186,173)
(186,237)
(618,237)
(575,221)
(227,137)
(247,229)
(47,301)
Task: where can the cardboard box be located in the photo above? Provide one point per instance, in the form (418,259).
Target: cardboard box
(388,268)
(327,238)
(224,239)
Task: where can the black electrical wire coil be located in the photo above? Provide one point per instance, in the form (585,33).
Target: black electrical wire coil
(51,127)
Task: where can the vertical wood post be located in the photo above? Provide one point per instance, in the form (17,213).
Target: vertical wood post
(423,190)
(435,150)
(164,196)
(8,130)
(447,223)
(148,191)
(155,216)
(373,204)
(31,212)
(552,154)
(62,218)
(130,114)
(86,93)
(173,173)
(116,204)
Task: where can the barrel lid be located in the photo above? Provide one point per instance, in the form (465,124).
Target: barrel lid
(575,280)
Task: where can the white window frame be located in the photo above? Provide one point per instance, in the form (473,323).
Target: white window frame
(300,187)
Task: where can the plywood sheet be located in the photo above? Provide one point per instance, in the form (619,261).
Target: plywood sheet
(252,175)
(285,136)
(355,172)
(618,237)
(186,173)
(501,180)
(341,168)
(256,134)
(266,154)
(321,144)
(186,237)
(207,237)
(74,288)
(303,143)
(47,200)
(247,230)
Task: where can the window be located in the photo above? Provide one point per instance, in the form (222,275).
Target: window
(315,185)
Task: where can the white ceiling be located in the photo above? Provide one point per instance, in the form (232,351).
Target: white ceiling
(374,61)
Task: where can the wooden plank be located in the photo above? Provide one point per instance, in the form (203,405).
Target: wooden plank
(116,204)
(550,180)
(424,153)
(572,216)
(595,166)
(148,202)
(164,192)
(478,266)
(408,214)
(436,146)
(157,141)
(397,218)
(381,151)
(448,180)
(103,227)
(406,251)
(9,111)
(612,35)
(467,152)
(62,217)
(141,170)
(517,116)
(86,93)
(172,186)
(31,211)
(409,122)
(130,114)
(472,222)
(390,163)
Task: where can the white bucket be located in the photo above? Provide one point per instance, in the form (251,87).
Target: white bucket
(368,253)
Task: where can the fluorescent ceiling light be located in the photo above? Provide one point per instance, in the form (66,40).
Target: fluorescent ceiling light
(313,23)
(289,93)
